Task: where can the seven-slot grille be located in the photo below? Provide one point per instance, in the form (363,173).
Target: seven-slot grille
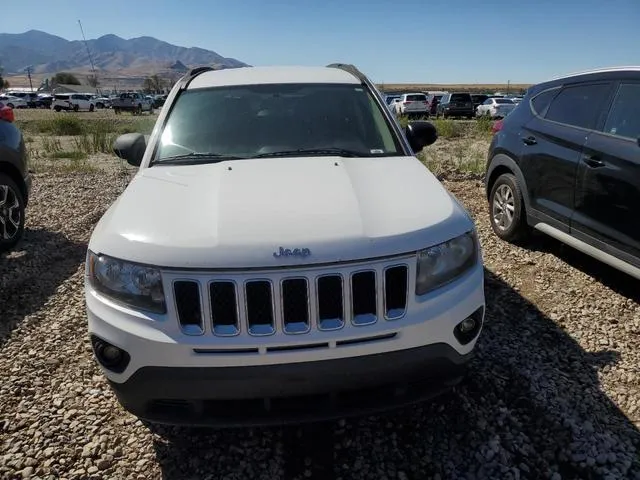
(291,303)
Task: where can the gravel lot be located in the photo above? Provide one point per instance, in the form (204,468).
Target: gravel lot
(554,392)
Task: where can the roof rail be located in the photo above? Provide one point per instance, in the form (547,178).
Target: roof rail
(347,67)
(191,74)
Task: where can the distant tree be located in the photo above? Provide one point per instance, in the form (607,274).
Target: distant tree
(153,84)
(65,78)
(93,81)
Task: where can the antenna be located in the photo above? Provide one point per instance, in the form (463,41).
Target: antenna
(93,69)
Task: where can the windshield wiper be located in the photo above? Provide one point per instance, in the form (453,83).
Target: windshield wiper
(194,158)
(340,152)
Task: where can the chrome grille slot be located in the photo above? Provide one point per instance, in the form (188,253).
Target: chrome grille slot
(259,302)
(330,302)
(395,292)
(224,308)
(363,298)
(295,305)
(292,301)
(189,306)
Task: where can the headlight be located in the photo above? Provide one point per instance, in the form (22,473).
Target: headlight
(135,285)
(444,262)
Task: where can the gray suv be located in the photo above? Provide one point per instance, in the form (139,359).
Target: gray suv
(15,181)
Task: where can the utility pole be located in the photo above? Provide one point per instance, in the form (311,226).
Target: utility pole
(93,69)
(508,86)
(29,75)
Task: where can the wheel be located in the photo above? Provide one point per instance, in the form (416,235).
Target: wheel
(139,110)
(506,209)
(10,105)
(11,213)
(151,110)
(116,111)
(91,107)
(76,107)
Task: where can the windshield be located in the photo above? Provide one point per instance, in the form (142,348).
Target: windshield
(503,100)
(253,120)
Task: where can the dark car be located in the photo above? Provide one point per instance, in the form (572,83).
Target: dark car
(15,181)
(478,99)
(566,162)
(457,104)
(44,101)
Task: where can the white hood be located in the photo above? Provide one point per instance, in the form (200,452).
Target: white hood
(236,214)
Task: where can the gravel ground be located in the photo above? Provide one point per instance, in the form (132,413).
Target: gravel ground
(554,392)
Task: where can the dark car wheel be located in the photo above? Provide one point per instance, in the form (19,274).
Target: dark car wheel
(506,209)
(11,213)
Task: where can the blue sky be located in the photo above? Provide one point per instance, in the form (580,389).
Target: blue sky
(428,41)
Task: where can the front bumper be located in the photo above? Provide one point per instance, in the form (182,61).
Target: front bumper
(171,377)
(298,392)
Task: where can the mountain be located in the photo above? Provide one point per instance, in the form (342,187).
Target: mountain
(47,53)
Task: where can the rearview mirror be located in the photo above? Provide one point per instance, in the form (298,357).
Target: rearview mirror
(420,134)
(130,147)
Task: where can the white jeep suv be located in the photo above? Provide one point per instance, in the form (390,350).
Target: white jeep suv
(281,255)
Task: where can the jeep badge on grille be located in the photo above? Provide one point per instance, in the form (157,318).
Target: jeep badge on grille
(295,252)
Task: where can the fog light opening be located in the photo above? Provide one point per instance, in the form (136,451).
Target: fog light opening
(111,354)
(110,357)
(469,328)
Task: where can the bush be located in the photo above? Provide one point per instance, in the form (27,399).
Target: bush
(63,125)
(448,128)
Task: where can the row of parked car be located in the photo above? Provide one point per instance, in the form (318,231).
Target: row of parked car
(451,104)
(74,101)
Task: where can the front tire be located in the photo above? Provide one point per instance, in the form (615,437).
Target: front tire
(506,209)
(11,213)
(91,108)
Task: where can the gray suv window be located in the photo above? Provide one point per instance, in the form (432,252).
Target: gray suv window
(623,119)
(579,106)
(541,101)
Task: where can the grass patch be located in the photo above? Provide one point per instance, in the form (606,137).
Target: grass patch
(466,157)
(68,124)
(51,145)
(484,125)
(448,128)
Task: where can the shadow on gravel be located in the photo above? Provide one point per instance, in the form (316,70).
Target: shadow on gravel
(31,272)
(617,281)
(531,408)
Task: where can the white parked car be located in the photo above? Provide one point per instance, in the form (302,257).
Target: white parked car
(411,104)
(13,102)
(73,101)
(280,244)
(495,107)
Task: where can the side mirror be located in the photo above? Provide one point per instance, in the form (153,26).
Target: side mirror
(420,134)
(130,147)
